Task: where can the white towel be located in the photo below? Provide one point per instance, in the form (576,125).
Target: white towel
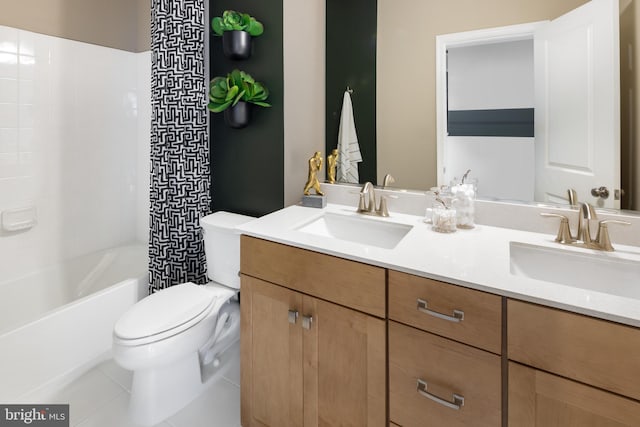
(348,148)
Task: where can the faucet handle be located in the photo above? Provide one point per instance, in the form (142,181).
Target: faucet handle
(602,238)
(388,179)
(573,197)
(382,210)
(564,232)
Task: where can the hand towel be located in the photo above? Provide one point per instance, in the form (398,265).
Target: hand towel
(348,147)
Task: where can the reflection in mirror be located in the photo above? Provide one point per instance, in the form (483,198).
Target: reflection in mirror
(485,100)
(570,74)
(405,128)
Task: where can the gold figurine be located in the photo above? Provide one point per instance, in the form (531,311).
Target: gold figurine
(315,164)
(332,161)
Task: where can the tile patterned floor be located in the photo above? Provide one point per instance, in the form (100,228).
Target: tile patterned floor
(99,398)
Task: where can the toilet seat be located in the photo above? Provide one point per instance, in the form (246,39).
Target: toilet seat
(164,314)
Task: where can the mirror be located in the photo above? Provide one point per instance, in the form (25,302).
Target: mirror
(405,72)
(489,83)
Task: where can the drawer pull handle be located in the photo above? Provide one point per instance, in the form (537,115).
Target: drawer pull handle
(458,315)
(293,316)
(307,321)
(457,403)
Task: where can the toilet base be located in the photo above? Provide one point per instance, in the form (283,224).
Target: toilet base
(161,392)
(156,394)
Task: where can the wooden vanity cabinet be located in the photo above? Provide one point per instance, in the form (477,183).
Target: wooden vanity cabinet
(331,342)
(567,369)
(325,365)
(436,378)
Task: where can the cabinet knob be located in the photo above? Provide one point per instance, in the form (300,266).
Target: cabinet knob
(293,316)
(307,321)
(458,315)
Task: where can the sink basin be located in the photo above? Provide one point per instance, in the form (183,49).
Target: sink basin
(367,231)
(596,272)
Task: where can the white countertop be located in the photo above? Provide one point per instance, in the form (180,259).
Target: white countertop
(477,258)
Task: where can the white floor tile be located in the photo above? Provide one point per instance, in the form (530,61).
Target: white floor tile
(114,414)
(117,373)
(100,398)
(88,394)
(219,406)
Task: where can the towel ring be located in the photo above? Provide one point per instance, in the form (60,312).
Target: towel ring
(349,90)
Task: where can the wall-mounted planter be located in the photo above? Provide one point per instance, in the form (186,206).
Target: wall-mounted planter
(235,94)
(236,44)
(236,30)
(238,116)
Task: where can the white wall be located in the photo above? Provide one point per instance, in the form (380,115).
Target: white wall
(304,91)
(491,76)
(143,161)
(69,115)
(503,166)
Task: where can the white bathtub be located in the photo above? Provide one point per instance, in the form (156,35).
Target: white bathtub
(54,321)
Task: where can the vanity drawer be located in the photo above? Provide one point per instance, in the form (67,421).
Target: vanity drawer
(481,325)
(348,283)
(538,398)
(592,351)
(446,367)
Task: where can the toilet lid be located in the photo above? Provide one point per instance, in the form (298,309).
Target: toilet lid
(176,307)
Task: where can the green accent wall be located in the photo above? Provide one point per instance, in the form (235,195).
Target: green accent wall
(247,165)
(351,61)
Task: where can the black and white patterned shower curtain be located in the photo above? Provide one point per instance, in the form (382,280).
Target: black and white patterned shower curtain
(180,176)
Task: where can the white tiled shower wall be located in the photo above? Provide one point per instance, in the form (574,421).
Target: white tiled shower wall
(74,143)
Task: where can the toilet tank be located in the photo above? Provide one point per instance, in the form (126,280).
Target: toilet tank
(222,246)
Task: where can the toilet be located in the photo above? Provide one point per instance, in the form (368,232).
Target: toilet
(174,340)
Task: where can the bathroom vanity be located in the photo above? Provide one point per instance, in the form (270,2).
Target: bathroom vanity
(436,330)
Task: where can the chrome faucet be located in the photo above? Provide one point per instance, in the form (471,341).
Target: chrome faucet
(369,208)
(586,213)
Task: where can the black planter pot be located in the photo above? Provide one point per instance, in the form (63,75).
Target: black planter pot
(236,44)
(238,116)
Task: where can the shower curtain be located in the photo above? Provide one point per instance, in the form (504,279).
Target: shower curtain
(180,176)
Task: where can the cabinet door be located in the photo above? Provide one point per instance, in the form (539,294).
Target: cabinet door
(540,399)
(271,355)
(344,367)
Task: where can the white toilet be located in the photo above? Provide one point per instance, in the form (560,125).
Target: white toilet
(174,339)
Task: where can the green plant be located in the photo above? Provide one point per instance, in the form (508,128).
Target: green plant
(236,21)
(225,92)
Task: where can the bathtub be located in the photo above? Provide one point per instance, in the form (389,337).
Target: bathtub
(54,321)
